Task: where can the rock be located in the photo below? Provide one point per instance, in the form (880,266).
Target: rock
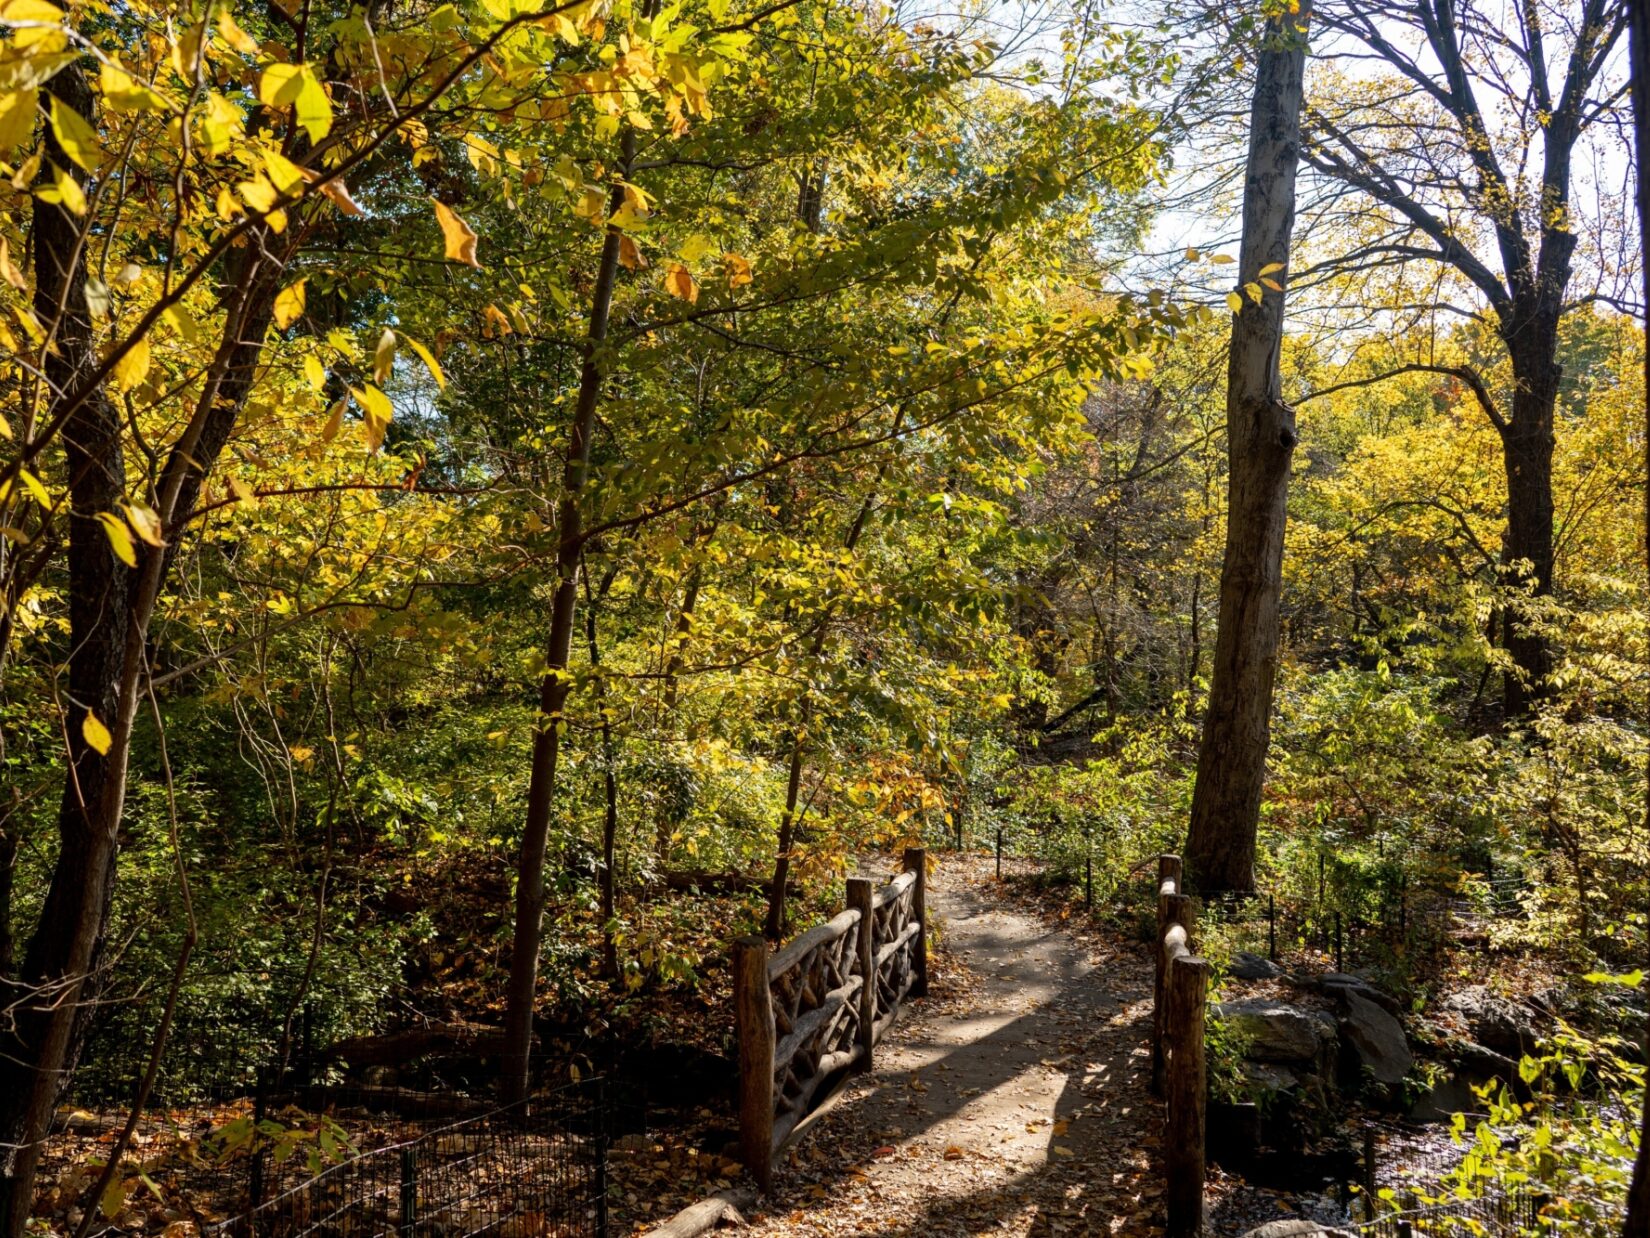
(1376,1038)
(1295,1227)
(1246,966)
(1443,1100)
(1270,1077)
(1277,1031)
(1335,983)
(1496,1022)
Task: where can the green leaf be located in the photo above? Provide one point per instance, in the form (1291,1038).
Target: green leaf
(114,1198)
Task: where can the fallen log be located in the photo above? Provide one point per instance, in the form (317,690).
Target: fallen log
(398,1048)
(706,1214)
(709,882)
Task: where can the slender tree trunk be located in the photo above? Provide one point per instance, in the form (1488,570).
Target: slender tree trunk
(610,783)
(774,925)
(1260,427)
(555,686)
(1638,1194)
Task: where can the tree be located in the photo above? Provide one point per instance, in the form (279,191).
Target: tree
(1260,429)
(1638,1196)
(1447,184)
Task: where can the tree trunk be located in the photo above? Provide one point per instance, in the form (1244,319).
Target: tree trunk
(1638,1194)
(1527,452)
(110,607)
(1260,427)
(555,686)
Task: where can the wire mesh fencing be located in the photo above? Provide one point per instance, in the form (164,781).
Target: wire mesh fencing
(532,1170)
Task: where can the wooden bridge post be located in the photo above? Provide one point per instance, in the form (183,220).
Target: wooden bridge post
(860,896)
(916,861)
(753,1019)
(1187,1087)
(1168,884)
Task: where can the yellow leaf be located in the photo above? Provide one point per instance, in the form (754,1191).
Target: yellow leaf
(630,257)
(1234,302)
(334,421)
(241,491)
(695,247)
(26,171)
(289,304)
(145,522)
(459,237)
(65,191)
(97,736)
(295,85)
(680,284)
(1192,255)
(1271,283)
(125,93)
(121,540)
(36,490)
(1271,268)
(34,20)
(133,365)
(739,270)
(378,412)
(1221,260)
(233,35)
(77,138)
(1253,290)
(17,108)
(287,176)
(315,372)
(428,358)
(383,357)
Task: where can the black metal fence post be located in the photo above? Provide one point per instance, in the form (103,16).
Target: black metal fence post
(255,1170)
(600,1176)
(409,1190)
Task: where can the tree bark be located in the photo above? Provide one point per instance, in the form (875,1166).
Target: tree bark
(556,685)
(1260,427)
(1527,455)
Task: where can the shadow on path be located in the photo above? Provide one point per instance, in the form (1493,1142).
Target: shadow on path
(1013,1100)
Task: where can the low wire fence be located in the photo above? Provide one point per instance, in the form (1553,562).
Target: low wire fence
(533,1170)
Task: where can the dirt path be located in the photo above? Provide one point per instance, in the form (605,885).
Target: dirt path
(1011,1101)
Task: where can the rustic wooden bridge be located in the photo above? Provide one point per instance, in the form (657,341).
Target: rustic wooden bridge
(813,1012)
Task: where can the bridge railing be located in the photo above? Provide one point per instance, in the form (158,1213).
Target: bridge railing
(818,1006)
(1179,1074)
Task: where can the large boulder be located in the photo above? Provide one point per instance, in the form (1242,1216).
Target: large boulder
(1499,1023)
(1246,966)
(1335,983)
(1375,1038)
(1277,1031)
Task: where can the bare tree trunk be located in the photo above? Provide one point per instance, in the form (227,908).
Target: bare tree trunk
(555,686)
(1260,427)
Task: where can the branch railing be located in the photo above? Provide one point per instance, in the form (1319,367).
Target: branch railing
(821,1003)
(1179,1073)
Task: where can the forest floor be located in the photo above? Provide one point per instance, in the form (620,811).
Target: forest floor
(1012,1100)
